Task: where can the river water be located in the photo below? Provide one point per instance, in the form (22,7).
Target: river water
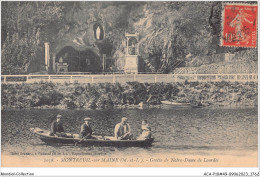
(176,130)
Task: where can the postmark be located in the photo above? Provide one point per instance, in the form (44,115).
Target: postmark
(239,25)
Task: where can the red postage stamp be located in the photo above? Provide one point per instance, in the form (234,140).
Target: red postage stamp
(239,25)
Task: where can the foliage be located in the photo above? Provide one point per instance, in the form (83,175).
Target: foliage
(23,25)
(108,95)
(174,33)
(169,32)
(50,98)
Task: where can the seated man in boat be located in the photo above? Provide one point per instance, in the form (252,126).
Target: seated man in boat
(57,127)
(123,131)
(146,131)
(86,130)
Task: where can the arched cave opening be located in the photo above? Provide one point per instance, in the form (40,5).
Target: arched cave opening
(79,61)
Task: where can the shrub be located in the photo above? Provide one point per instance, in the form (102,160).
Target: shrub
(66,83)
(222,84)
(50,98)
(175,90)
(154,89)
(186,82)
(82,100)
(79,90)
(70,104)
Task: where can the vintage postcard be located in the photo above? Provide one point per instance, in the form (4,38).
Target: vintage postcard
(129,84)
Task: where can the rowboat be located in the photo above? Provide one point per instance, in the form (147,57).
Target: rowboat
(174,103)
(73,139)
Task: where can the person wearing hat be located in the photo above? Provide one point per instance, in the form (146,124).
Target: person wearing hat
(146,131)
(57,127)
(85,129)
(122,130)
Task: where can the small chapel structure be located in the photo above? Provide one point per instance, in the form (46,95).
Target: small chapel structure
(131,53)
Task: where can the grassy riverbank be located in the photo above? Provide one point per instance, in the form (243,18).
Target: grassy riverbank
(108,95)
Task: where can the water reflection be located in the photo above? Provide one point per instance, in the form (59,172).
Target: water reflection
(175,130)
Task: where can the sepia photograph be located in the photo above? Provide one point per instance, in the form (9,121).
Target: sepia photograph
(129,84)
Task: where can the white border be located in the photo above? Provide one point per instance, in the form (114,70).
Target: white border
(169,171)
(125,171)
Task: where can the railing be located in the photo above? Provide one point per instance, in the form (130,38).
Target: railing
(122,78)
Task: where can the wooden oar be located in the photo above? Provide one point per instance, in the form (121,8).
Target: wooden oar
(80,141)
(85,138)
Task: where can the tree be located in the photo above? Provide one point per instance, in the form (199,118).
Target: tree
(23,25)
(176,29)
